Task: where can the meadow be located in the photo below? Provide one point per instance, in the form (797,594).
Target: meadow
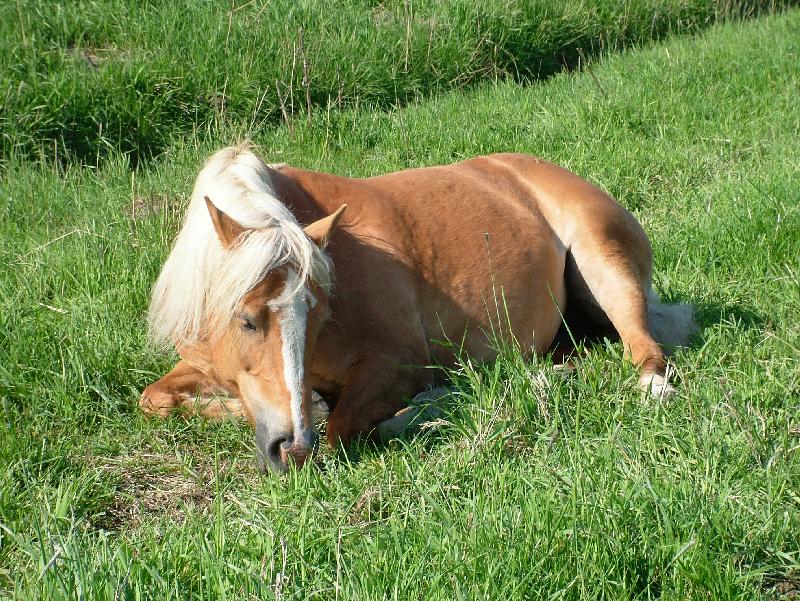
(531,486)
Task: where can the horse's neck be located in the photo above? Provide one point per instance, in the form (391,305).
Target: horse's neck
(297,197)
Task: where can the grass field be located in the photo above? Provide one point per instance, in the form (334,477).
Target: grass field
(532,487)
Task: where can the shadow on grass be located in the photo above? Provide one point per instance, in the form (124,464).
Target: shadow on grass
(712,313)
(424,434)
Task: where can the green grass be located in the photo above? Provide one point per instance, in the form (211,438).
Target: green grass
(579,489)
(84,79)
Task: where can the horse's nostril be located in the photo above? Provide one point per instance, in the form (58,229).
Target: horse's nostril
(272,447)
(275,451)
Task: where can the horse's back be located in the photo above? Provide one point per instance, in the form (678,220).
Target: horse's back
(470,247)
(491,263)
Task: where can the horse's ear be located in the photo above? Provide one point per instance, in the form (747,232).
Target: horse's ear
(227,229)
(320,231)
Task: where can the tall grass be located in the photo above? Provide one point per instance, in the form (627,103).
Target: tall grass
(82,79)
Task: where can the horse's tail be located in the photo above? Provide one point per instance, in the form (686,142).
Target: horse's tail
(671,325)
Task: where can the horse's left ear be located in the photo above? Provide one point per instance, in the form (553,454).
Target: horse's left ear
(227,229)
(320,231)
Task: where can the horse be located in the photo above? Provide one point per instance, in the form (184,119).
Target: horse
(270,312)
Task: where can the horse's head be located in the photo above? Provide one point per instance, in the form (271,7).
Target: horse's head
(263,350)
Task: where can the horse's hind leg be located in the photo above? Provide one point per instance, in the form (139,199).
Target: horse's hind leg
(420,411)
(608,280)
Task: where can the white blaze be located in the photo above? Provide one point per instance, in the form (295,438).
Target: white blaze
(293,319)
(263,412)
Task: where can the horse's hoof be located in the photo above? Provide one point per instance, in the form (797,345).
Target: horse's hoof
(657,385)
(157,404)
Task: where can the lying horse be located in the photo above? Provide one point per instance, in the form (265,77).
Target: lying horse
(504,245)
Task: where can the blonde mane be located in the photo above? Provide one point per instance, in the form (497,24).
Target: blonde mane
(202,283)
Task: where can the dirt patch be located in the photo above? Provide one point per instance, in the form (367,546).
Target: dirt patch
(95,56)
(785,590)
(370,507)
(381,15)
(151,484)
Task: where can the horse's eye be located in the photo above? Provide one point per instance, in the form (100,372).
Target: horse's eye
(247,324)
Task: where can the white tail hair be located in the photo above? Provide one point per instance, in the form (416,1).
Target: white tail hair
(671,325)
(202,283)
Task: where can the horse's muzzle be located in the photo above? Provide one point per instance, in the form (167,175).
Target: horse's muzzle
(296,454)
(276,452)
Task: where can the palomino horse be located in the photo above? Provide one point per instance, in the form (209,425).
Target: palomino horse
(248,297)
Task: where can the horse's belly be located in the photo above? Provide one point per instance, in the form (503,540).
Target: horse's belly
(513,295)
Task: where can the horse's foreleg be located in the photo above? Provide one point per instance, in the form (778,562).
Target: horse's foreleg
(214,407)
(376,392)
(188,388)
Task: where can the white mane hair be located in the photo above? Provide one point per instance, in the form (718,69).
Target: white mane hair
(202,283)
